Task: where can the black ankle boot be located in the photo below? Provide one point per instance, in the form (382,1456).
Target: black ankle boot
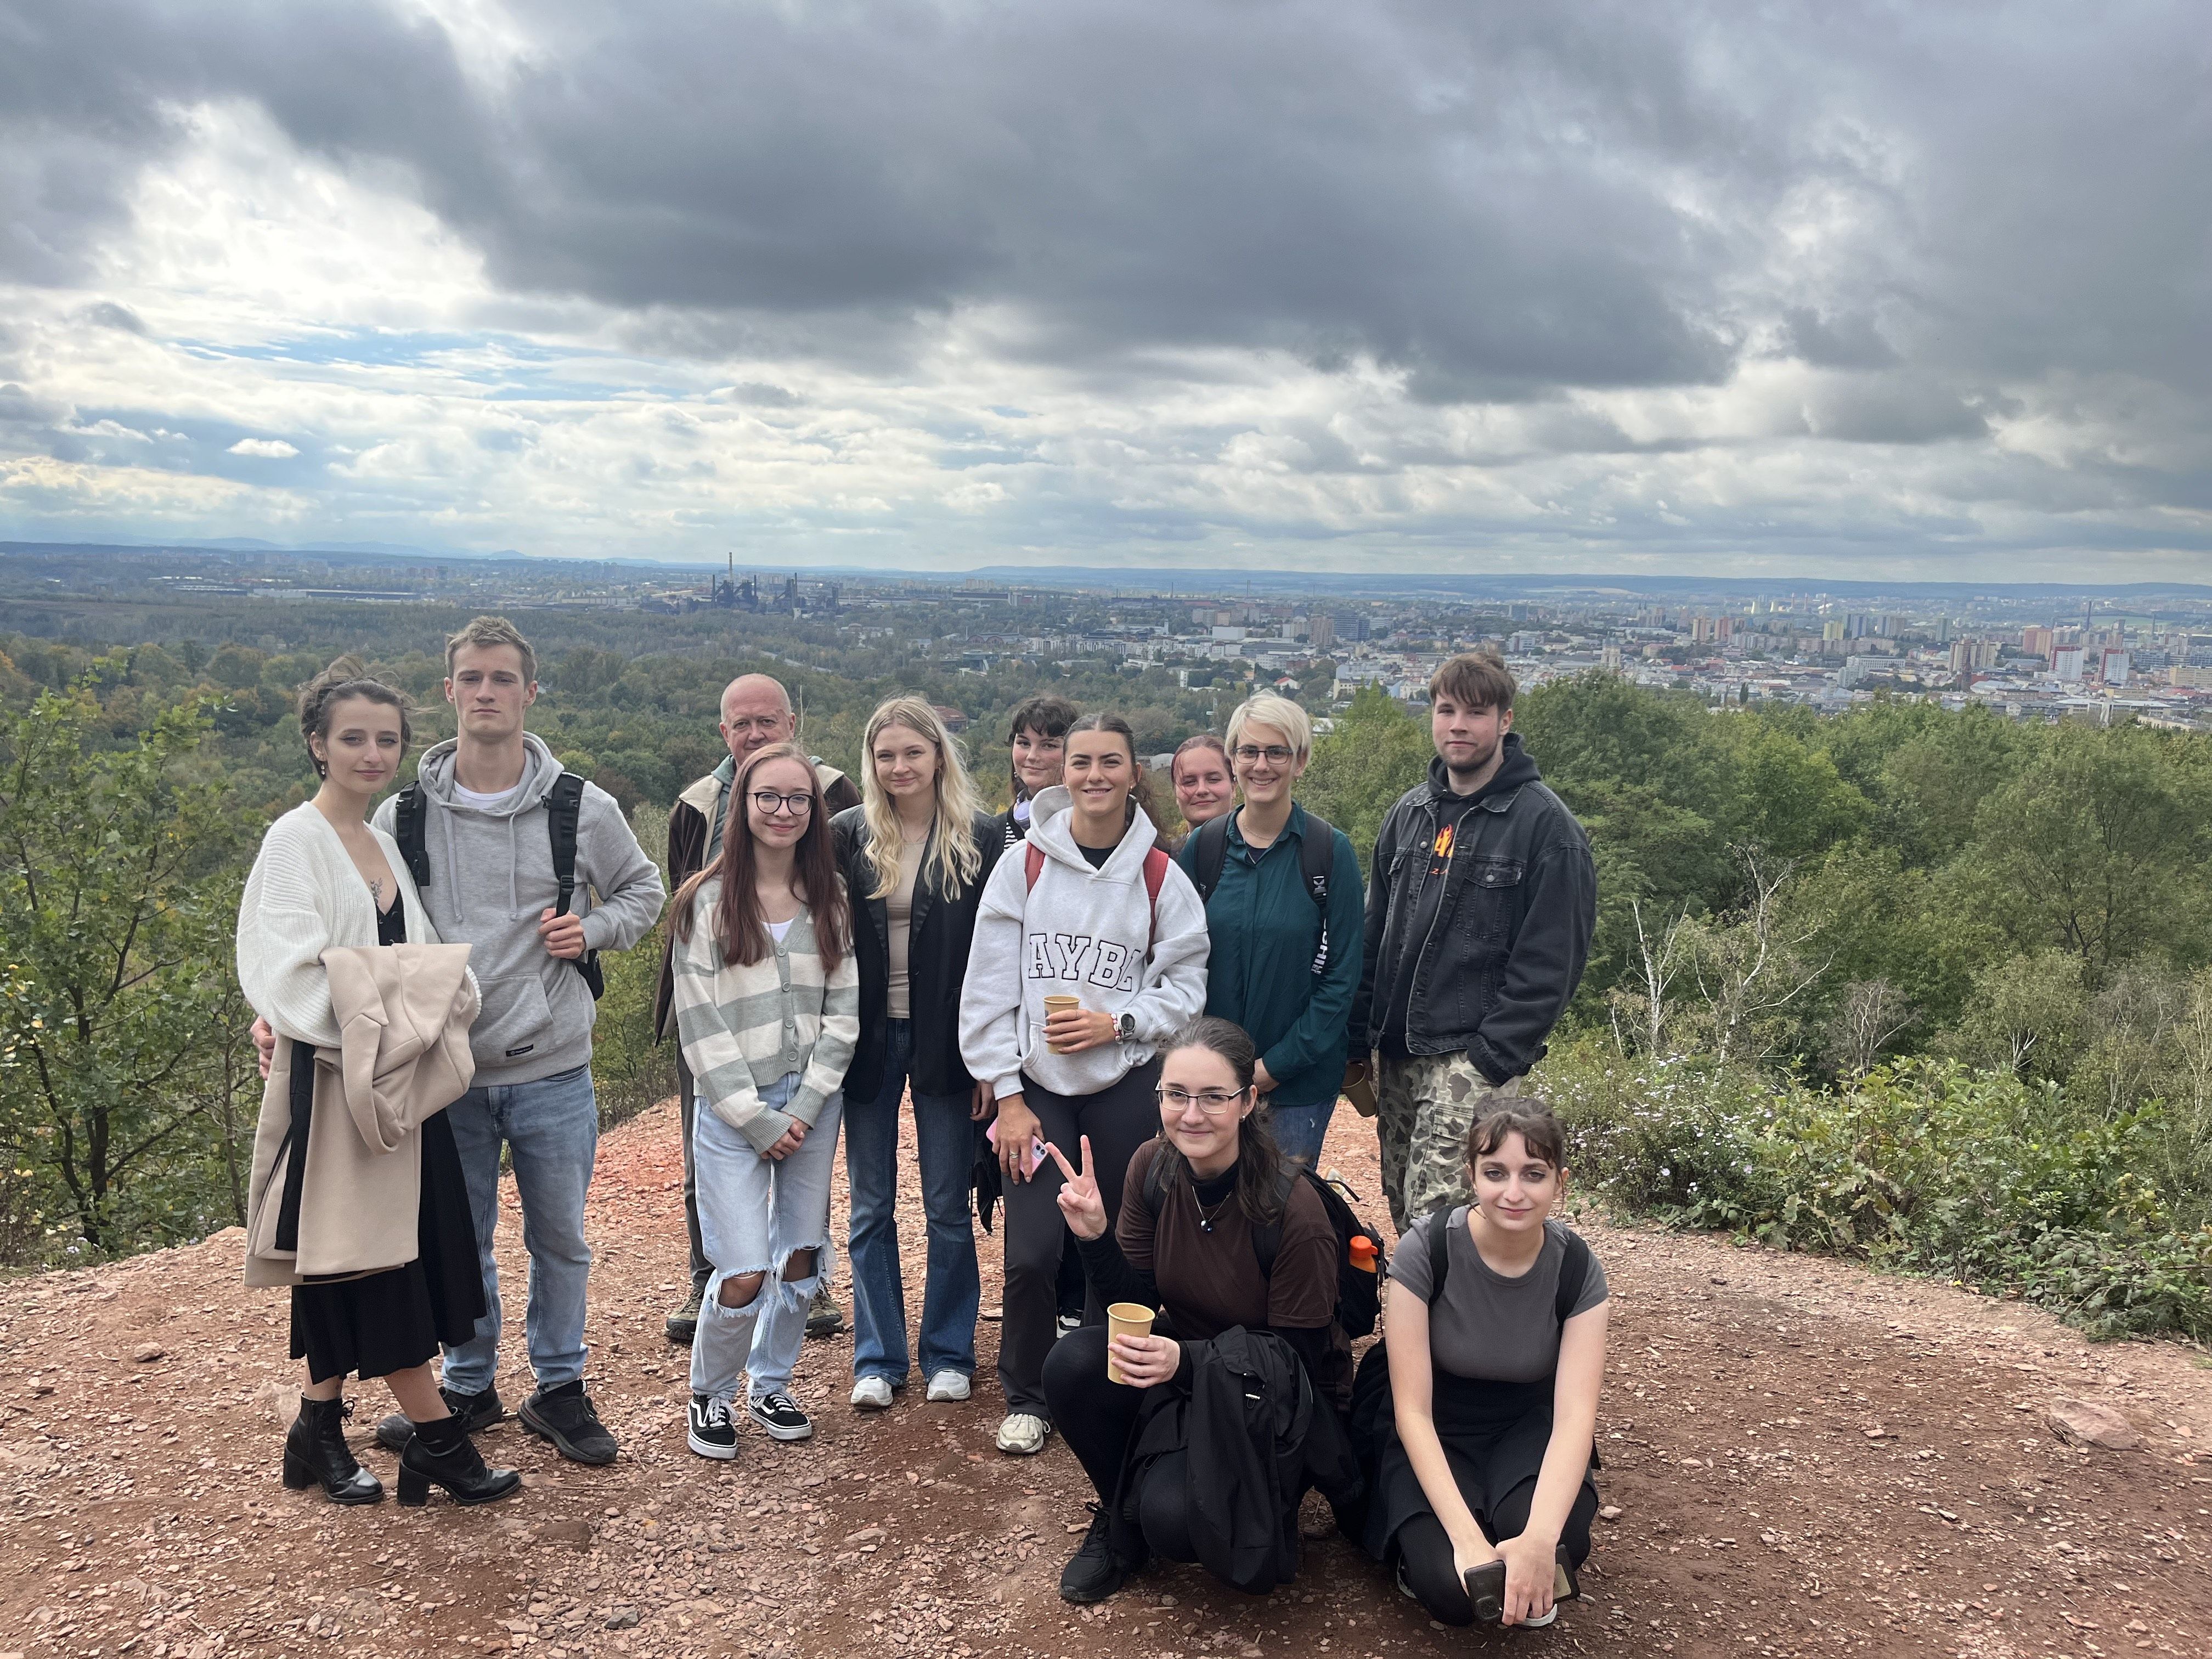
(316,1451)
(443,1452)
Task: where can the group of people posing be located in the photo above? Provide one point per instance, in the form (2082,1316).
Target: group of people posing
(1137,1044)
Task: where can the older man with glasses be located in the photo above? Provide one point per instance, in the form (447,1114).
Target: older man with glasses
(756,711)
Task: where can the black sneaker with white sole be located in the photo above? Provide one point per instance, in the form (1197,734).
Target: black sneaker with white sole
(779,1415)
(712,1432)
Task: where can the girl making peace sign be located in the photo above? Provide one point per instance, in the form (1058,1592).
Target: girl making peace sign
(1195,1260)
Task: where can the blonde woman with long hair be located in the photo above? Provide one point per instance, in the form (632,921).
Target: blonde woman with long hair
(915,854)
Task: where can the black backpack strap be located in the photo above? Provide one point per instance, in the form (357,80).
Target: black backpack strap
(564,808)
(1213,840)
(1268,1237)
(1574,1273)
(1437,1235)
(407,815)
(1317,859)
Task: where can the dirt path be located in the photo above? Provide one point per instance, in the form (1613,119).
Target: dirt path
(1806,1459)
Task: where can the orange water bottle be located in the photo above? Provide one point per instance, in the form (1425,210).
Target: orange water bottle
(1363,1253)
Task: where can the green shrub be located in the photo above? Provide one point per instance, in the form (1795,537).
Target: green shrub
(2003,1185)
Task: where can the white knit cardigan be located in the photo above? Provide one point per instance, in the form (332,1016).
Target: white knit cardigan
(303,897)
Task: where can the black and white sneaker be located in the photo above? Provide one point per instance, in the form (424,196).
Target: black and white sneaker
(779,1415)
(713,1434)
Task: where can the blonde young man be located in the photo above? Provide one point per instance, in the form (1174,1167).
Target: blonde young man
(485,837)
(756,711)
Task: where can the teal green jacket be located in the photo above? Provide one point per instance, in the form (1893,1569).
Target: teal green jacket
(1266,931)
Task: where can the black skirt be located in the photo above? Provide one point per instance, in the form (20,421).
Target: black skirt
(395,1320)
(1481,1426)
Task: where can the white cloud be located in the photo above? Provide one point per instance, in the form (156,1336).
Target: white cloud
(456,383)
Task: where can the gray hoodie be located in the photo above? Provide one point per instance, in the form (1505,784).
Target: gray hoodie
(491,876)
(1092,933)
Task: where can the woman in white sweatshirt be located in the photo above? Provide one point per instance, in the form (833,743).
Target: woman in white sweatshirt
(767,1005)
(1088,906)
(324,879)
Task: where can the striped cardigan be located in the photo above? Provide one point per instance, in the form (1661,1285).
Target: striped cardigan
(742,1027)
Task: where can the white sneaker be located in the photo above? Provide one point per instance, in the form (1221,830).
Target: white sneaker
(871,1393)
(948,1385)
(1023,1434)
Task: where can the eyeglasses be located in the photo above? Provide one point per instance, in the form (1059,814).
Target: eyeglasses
(1212,1101)
(768,804)
(1274,754)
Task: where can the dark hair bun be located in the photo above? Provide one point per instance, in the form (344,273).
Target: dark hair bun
(347,676)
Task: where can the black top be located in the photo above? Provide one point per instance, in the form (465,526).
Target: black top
(392,925)
(1482,961)
(1117,1280)
(939,931)
(1097,856)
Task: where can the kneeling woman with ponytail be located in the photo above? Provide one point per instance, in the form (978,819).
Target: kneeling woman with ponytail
(1480,1436)
(1194,1207)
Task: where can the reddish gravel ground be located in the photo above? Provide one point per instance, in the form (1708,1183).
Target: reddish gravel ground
(1800,1458)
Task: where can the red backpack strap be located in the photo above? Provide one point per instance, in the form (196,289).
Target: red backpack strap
(1032,861)
(1156,875)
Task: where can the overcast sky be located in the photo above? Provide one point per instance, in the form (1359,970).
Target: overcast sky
(1852,289)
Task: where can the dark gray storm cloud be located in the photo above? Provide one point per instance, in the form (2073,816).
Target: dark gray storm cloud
(1499,199)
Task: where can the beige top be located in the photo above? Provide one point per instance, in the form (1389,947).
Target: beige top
(899,913)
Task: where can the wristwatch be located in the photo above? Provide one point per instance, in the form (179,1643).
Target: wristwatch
(1124,1027)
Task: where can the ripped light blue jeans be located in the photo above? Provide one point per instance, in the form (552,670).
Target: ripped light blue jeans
(754,1212)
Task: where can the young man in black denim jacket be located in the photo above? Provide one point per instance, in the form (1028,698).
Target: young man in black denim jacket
(1479,909)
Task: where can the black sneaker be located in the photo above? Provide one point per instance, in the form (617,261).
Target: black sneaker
(1096,1570)
(779,1415)
(712,1432)
(564,1416)
(823,1317)
(475,1412)
(682,1323)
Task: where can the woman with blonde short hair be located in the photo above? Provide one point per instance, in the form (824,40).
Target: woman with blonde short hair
(1284,909)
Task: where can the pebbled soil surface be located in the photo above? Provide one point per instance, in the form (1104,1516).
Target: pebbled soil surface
(1800,1458)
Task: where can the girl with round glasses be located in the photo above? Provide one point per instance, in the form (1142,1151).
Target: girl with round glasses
(767,1000)
(1218,1176)
(1285,963)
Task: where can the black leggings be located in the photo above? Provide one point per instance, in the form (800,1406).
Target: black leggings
(1118,1120)
(1501,1508)
(1095,1416)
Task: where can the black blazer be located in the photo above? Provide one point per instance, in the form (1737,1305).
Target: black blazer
(943,927)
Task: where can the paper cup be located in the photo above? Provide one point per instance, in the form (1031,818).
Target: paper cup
(1124,1319)
(1057,1003)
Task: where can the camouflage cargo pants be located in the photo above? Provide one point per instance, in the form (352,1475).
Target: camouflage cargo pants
(1424,1108)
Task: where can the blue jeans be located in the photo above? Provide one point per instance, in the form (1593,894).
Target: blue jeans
(754,1213)
(551,1130)
(952,1290)
(1299,1130)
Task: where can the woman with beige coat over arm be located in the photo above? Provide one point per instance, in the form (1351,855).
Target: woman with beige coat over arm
(353,1141)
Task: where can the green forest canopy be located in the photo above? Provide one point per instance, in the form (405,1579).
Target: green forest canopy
(1809,896)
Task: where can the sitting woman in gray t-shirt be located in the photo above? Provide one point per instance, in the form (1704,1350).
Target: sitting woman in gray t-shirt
(1480,1433)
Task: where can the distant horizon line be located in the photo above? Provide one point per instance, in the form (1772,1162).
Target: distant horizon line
(1205,581)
